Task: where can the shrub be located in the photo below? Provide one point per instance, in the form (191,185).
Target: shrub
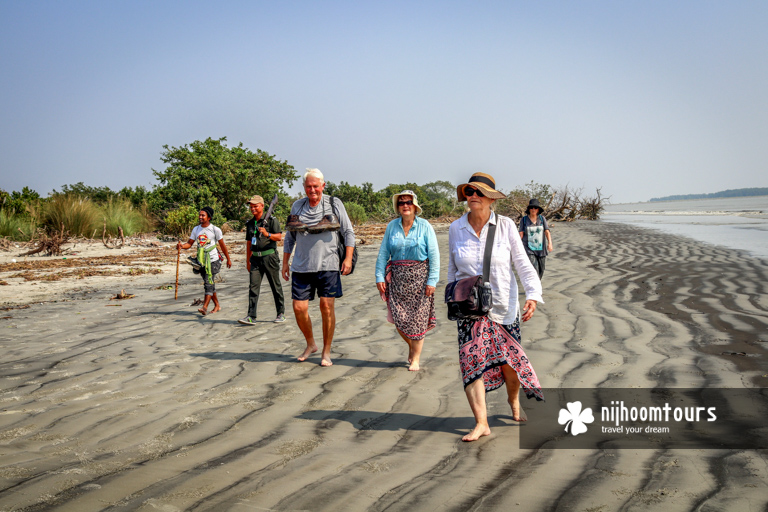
(120,213)
(179,222)
(80,217)
(234,225)
(217,220)
(18,203)
(16,227)
(433,208)
(356,213)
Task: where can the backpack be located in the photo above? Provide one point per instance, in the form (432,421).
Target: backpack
(341,248)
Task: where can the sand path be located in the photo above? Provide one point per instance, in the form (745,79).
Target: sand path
(147,406)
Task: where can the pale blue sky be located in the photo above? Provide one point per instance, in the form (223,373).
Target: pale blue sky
(643,99)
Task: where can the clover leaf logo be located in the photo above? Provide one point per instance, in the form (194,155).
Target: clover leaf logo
(575,418)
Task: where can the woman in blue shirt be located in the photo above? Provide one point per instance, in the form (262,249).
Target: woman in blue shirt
(407,271)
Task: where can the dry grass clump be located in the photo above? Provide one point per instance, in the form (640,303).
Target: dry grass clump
(16,227)
(79,216)
(120,213)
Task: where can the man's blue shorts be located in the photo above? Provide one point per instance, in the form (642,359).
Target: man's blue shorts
(327,283)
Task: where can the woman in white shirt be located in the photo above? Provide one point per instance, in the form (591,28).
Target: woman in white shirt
(490,353)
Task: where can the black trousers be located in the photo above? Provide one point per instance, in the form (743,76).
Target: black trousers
(269,265)
(538,263)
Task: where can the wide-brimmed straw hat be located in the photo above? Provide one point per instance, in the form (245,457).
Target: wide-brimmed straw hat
(534,203)
(484,183)
(406,193)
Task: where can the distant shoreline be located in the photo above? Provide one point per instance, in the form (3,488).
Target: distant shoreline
(739,192)
(666,200)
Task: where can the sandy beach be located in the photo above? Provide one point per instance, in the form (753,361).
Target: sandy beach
(142,404)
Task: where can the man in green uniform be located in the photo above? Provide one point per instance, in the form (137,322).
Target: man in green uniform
(262,258)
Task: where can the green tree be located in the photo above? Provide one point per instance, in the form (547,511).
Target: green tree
(18,203)
(364,195)
(138,195)
(394,188)
(439,199)
(439,190)
(356,213)
(210,173)
(99,195)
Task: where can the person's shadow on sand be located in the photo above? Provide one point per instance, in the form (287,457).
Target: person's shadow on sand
(314,359)
(246,356)
(396,421)
(189,315)
(393,421)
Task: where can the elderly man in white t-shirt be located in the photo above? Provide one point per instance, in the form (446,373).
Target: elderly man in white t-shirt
(312,230)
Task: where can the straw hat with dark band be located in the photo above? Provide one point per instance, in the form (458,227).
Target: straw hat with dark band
(482,182)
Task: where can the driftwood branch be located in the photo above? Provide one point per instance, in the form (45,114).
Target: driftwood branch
(107,239)
(564,204)
(51,244)
(34,250)
(552,197)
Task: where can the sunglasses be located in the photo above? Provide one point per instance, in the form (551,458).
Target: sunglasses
(469,192)
(404,203)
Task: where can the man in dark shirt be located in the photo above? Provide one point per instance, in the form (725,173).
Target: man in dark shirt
(262,258)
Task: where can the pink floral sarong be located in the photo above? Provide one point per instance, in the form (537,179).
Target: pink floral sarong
(485,346)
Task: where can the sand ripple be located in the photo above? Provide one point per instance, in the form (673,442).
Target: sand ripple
(147,406)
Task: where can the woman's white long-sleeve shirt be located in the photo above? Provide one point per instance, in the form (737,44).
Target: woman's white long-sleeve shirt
(465,259)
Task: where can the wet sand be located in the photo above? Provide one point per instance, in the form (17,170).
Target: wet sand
(142,404)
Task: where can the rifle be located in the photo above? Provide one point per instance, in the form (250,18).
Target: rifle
(266,217)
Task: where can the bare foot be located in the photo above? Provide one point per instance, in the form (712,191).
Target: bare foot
(414,366)
(202,311)
(518,414)
(307,352)
(326,361)
(477,432)
(216,309)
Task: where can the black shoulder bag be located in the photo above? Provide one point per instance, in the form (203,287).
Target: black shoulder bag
(470,298)
(341,248)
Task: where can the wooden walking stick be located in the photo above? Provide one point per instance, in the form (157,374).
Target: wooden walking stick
(178,257)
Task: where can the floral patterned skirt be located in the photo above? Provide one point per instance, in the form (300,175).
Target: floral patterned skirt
(407,307)
(485,346)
